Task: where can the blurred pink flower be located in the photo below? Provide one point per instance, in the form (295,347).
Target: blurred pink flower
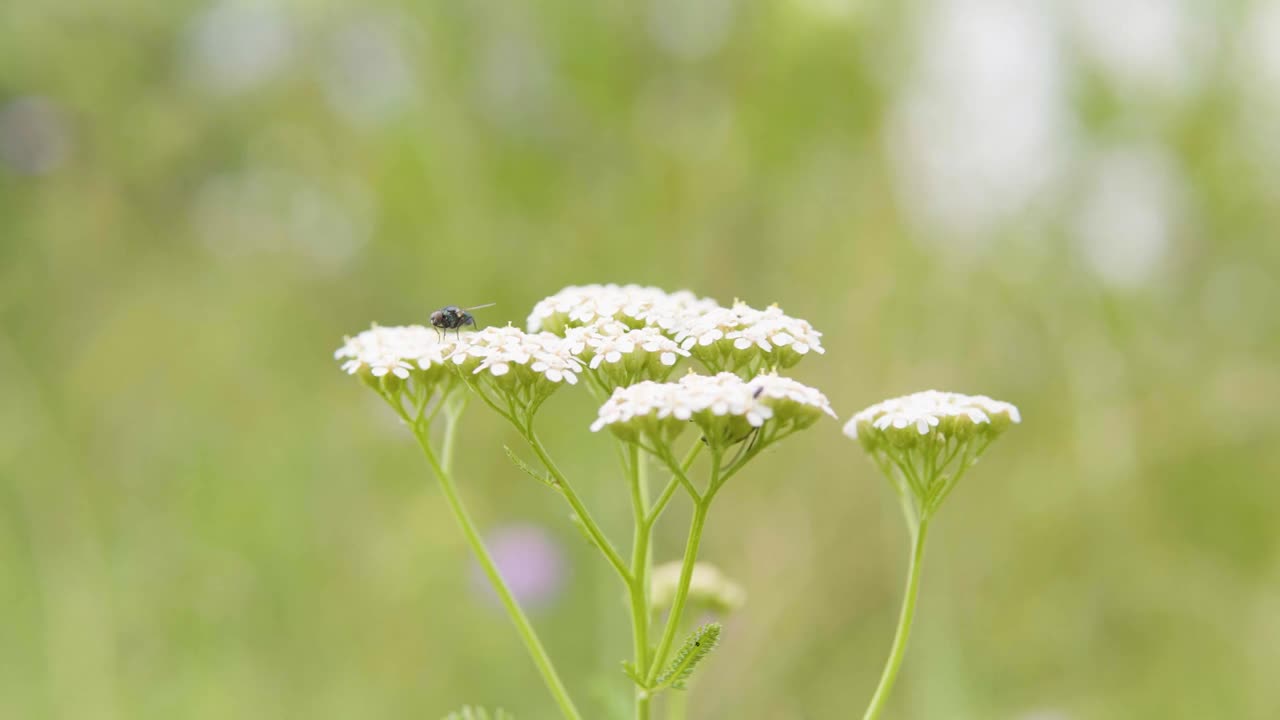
(531,561)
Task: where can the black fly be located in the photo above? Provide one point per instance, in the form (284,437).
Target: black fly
(452,317)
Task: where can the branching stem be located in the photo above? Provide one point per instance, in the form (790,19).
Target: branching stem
(527,634)
(597,535)
(700,509)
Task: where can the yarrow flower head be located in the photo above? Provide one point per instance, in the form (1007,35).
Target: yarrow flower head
(926,440)
(709,588)
(634,306)
(931,416)
(523,369)
(388,358)
(726,408)
(746,340)
(739,339)
(618,355)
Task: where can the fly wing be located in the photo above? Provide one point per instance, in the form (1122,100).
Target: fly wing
(481,307)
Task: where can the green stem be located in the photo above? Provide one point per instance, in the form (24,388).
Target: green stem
(682,591)
(518,618)
(450,434)
(700,507)
(899,650)
(904,493)
(575,502)
(661,504)
(662,501)
(639,583)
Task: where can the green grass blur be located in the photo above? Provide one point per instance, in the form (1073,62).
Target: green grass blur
(201,517)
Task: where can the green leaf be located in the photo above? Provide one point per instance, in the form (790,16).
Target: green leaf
(476,713)
(524,466)
(695,648)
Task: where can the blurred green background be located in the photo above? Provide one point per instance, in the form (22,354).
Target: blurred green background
(1072,206)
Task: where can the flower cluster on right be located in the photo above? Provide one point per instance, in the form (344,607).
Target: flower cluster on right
(930,417)
(925,441)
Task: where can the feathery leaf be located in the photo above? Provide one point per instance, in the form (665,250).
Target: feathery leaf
(698,646)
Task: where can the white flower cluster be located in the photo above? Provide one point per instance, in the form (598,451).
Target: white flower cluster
(738,339)
(724,406)
(633,305)
(925,441)
(943,414)
(621,355)
(396,351)
(617,335)
(708,588)
(509,352)
(744,337)
(522,367)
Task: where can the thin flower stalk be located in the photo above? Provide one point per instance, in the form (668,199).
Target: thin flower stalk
(924,444)
(524,628)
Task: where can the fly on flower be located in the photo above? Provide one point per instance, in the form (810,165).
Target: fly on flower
(452,317)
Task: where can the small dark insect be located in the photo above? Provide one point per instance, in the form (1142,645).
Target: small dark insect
(759,391)
(452,317)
